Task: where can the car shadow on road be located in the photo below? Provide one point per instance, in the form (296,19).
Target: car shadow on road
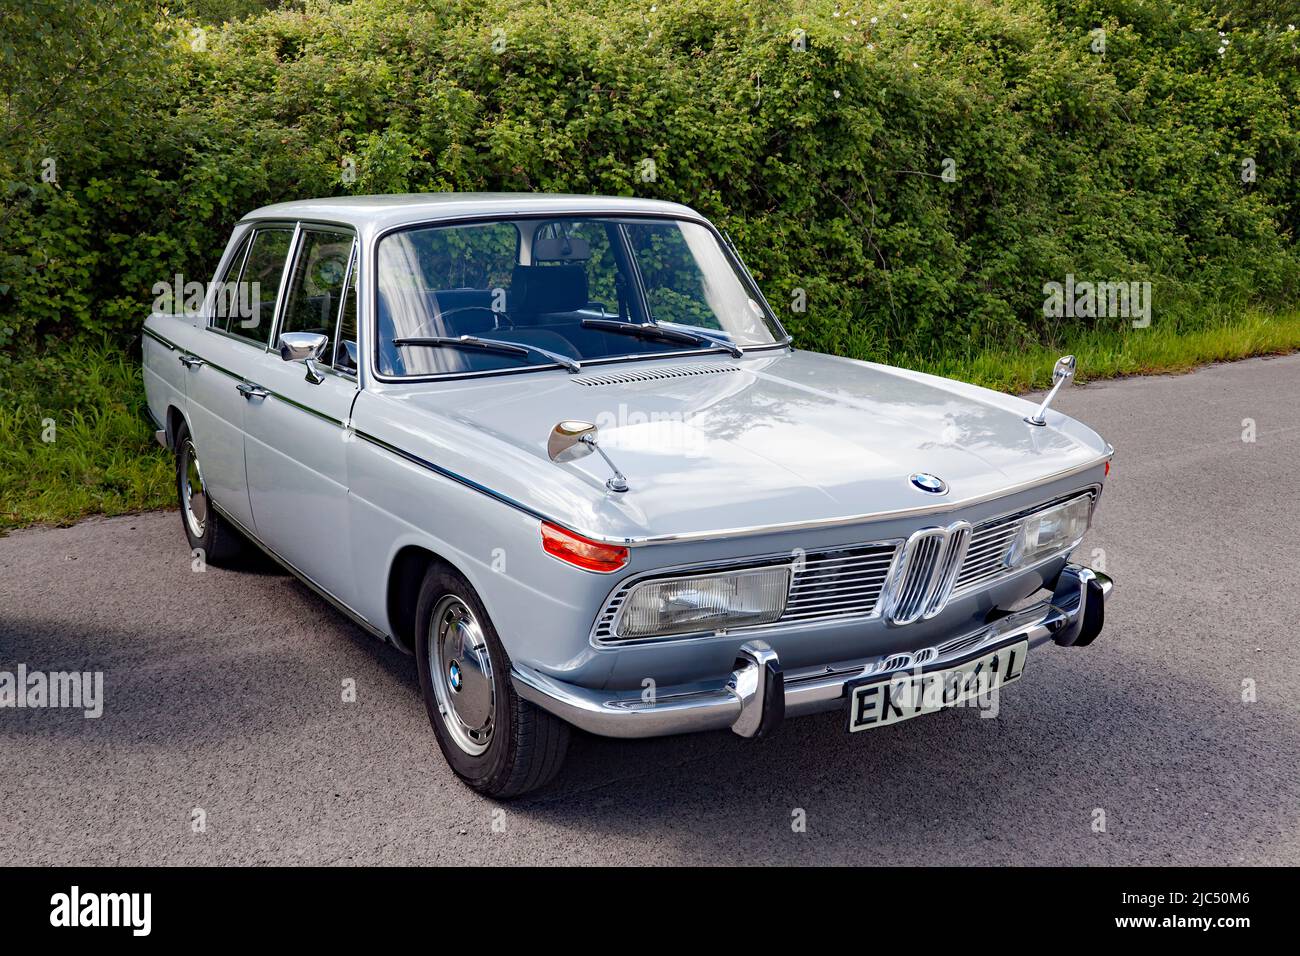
(1078,767)
(1097,771)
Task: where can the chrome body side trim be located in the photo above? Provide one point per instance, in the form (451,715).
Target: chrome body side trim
(736,700)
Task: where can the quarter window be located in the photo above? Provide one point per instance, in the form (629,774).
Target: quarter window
(226,302)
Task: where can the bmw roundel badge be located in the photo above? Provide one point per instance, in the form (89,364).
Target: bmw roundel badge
(931,483)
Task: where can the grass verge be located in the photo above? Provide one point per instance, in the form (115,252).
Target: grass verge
(77,440)
(1113,353)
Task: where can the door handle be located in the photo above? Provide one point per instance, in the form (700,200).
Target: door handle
(251,391)
(192,361)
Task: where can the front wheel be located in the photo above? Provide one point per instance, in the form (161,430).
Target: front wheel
(497,742)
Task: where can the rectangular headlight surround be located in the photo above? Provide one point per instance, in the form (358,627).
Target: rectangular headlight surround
(1053,530)
(663,607)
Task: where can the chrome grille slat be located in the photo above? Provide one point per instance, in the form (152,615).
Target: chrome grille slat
(868,598)
(837,589)
(954,554)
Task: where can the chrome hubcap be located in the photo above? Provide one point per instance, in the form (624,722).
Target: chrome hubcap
(194,498)
(461,668)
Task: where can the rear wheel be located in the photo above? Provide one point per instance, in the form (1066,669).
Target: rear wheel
(495,741)
(206,530)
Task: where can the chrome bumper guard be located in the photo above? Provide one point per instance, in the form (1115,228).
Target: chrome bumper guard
(758,695)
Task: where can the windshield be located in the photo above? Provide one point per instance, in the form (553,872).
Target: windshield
(582,288)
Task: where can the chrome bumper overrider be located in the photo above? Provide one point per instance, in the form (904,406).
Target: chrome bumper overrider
(758,694)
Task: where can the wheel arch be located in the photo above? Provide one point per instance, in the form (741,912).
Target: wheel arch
(406,571)
(175,418)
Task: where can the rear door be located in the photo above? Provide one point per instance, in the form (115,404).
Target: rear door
(240,313)
(296,434)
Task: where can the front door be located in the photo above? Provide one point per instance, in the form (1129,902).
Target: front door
(296,434)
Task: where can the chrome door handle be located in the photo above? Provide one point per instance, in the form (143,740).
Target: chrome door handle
(192,361)
(251,391)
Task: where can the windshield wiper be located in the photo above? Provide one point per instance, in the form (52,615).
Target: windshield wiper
(490,345)
(716,337)
(650,330)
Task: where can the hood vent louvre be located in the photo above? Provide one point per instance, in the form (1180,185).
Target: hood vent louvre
(651,374)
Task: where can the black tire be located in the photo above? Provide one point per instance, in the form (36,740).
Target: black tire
(218,541)
(524,746)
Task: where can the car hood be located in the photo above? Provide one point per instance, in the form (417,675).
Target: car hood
(712,444)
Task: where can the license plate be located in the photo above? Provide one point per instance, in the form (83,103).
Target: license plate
(908,694)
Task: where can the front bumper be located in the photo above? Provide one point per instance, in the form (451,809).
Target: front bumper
(757,695)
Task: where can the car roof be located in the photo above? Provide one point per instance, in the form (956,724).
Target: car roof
(377,213)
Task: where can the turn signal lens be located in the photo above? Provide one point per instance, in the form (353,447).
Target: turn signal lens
(582,552)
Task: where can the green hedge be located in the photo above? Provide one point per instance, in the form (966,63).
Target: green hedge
(826,163)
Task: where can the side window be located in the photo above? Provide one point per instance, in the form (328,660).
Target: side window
(262,273)
(227,302)
(316,286)
(345,351)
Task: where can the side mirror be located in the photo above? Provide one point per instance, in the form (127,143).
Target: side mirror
(305,347)
(566,441)
(1062,372)
(1064,368)
(571,440)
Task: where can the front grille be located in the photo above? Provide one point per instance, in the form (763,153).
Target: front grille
(984,558)
(838,583)
(847,583)
(989,543)
(926,572)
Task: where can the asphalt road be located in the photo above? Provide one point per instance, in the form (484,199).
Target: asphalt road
(223,693)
